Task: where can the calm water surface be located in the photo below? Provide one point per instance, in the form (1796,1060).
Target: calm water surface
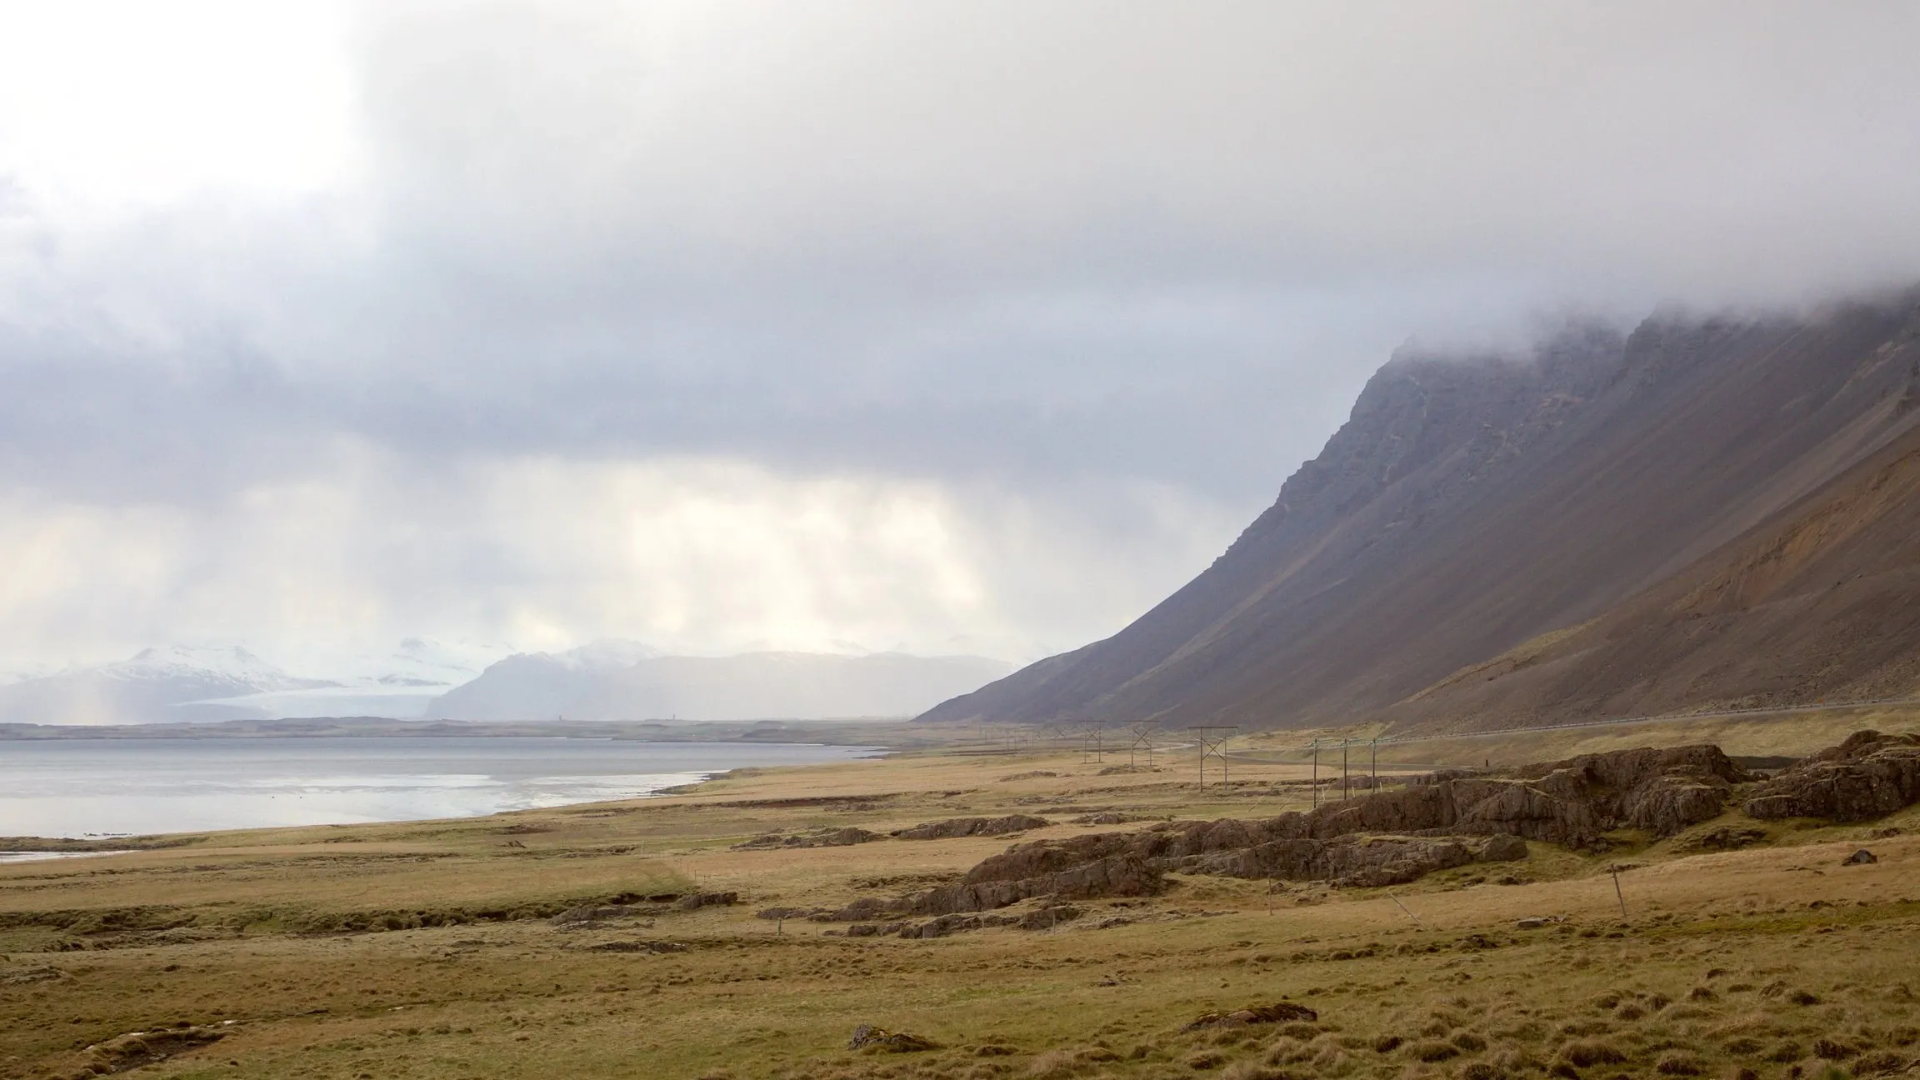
(117,787)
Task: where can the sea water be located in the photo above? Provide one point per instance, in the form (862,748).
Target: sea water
(92,788)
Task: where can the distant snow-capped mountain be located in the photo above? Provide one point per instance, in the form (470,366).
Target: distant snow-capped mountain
(418,661)
(228,665)
(603,654)
(157,684)
(605,680)
(397,683)
(181,683)
(626,681)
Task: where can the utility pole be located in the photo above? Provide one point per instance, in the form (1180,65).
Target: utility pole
(1213,743)
(1093,744)
(1142,743)
(1315,747)
(1343,769)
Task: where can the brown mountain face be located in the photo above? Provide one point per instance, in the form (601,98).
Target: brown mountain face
(1700,513)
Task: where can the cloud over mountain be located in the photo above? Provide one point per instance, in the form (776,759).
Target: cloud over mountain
(955,327)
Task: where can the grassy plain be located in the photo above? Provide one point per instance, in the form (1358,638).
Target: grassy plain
(427,950)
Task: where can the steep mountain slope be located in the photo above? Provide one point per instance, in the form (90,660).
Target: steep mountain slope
(601,683)
(1471,506)
(1820,603)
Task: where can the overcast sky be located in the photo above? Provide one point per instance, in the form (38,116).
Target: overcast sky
(952,327)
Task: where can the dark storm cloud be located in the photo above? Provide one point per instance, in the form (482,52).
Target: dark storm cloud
(798,225)
(835,230)
(1051,252)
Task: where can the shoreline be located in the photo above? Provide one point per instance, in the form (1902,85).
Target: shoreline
(893,732)
(34,848)
(9,857)
(411,784)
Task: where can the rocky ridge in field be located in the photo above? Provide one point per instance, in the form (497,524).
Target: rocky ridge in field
(1437,822)
(1381,839)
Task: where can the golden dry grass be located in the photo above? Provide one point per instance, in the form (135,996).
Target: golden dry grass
(1740,959)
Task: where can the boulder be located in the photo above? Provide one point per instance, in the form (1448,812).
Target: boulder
(136,1049)
(1285,1012)
(873,1038)
(1863,857)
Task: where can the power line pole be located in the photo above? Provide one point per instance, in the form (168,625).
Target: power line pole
(1093,744)
(1315,747)
(1213,743)
(1142,736)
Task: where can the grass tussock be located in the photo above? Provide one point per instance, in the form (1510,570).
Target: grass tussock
(1468,1042)
(1432,1051)
(1679,1063)
(1253,1070)
(1586,1053)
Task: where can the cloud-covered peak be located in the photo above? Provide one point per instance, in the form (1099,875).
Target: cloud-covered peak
(761,322)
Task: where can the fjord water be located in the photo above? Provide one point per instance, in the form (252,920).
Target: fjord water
(118,787)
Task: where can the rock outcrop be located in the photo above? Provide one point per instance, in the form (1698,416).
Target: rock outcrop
(1868,776)
(871,1037)
(1042,869)
(971,826)
(1280,1013)
(1385,838)
(1436,822)
(818,838)
(136,1049)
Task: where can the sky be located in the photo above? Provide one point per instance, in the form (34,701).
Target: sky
(970,327)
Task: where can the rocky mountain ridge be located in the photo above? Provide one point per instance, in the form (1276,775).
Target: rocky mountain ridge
(1495,540)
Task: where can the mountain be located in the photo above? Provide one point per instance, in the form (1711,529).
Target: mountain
(1703,512)
(619,681)
(157,684)
(399,683)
